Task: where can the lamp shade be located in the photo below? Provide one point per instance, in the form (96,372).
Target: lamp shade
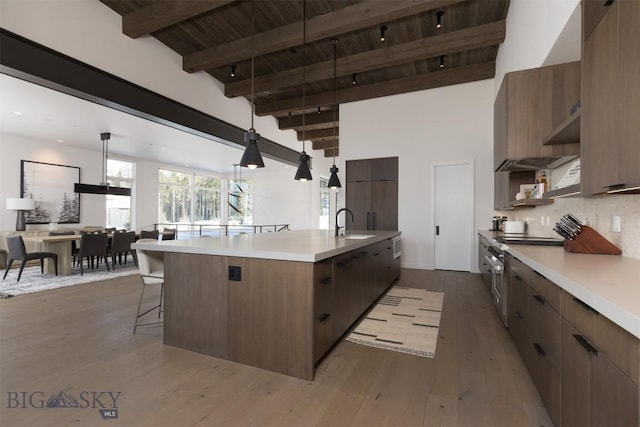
(334,181)
(303,173)
(17,204)
(251,158)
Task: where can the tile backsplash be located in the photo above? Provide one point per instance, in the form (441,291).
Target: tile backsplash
(598,211)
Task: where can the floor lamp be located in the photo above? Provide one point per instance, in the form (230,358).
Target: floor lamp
(20,205)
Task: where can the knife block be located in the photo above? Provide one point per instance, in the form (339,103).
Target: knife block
(589,241)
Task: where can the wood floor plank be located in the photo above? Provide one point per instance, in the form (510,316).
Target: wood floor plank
(80,339)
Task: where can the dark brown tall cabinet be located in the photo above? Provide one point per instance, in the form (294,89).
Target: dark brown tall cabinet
(610,129)
(372,194)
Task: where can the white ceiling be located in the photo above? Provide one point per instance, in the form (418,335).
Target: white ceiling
(49,115)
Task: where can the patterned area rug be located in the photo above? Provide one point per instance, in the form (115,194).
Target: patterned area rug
(34,281)
(405,320)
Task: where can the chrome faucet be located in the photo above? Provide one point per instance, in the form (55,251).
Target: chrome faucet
(338,213)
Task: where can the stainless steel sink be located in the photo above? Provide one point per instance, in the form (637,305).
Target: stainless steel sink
(358,236)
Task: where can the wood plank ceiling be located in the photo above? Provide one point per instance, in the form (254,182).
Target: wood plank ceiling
(215,36)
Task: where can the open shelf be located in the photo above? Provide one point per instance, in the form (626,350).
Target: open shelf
(571,190)
(530,203)
(568,132)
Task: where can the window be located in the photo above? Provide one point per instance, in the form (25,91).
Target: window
(240,201)
(119,174)
(325,203)
(188,198)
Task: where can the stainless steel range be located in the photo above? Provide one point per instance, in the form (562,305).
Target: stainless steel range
(495,259)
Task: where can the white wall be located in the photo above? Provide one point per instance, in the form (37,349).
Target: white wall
(533,26)
(422,128)
(14,149)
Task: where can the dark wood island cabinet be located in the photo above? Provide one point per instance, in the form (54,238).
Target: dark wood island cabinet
(290,298)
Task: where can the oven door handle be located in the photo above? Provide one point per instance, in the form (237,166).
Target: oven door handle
(495,266)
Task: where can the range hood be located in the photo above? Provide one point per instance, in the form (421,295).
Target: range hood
(534,163)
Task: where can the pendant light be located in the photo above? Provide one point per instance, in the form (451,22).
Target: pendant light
(303,173)
(334,181)
(104,187)
(251,158)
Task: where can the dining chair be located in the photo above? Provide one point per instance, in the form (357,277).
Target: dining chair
(169,234)
(18,252)
(93,245)
(151,265)
(121,245)
(149,234)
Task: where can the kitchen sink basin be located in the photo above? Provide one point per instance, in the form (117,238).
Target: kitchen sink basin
(358,236)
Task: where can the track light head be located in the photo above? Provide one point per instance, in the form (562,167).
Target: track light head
(442,61)
(439,15)
(233,71)
(353,78)
(383,30)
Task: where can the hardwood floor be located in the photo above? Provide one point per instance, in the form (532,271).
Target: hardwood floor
(79,340)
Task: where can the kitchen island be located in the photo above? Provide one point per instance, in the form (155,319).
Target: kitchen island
(277,301)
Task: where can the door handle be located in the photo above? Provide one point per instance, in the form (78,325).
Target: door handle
(437,230)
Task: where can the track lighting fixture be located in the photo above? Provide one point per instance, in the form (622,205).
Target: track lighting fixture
(303,173)
(439,15)
(251,158)
(334,181)
(353,78)
(318,110)
(233,71)
(383,29)
(289,116)
(442,61)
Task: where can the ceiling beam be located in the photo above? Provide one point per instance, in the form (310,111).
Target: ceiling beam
(326,144)
(453,42)
(311,120)
(164,13)
(332,152)
(430,80)
(345,20)
(318,134)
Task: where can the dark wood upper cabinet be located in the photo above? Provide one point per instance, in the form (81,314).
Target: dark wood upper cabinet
(592,13)
(372,194)
(610,147)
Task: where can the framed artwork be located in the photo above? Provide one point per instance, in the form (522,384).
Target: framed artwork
(51,186)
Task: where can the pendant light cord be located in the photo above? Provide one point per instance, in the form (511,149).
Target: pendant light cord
(304,70)
(335,43)
(253,59)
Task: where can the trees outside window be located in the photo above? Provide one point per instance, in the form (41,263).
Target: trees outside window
(119,174)
(188,198)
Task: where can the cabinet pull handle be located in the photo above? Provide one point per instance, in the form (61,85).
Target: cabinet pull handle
(515,275)
(373,220)
(586,344)
(368,220)
(539,299)
(324,317)
(539,349)
(586,306)
(437,230)
(325,280)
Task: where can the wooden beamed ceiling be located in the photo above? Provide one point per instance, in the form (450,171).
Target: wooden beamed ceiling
(215,36)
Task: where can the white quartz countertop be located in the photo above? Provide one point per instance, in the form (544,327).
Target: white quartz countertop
(299,245)
(608,283)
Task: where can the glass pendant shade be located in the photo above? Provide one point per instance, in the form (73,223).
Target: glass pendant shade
(303,173)
(251,158)
(334,181)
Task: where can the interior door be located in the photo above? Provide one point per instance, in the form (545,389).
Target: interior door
(454,216)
